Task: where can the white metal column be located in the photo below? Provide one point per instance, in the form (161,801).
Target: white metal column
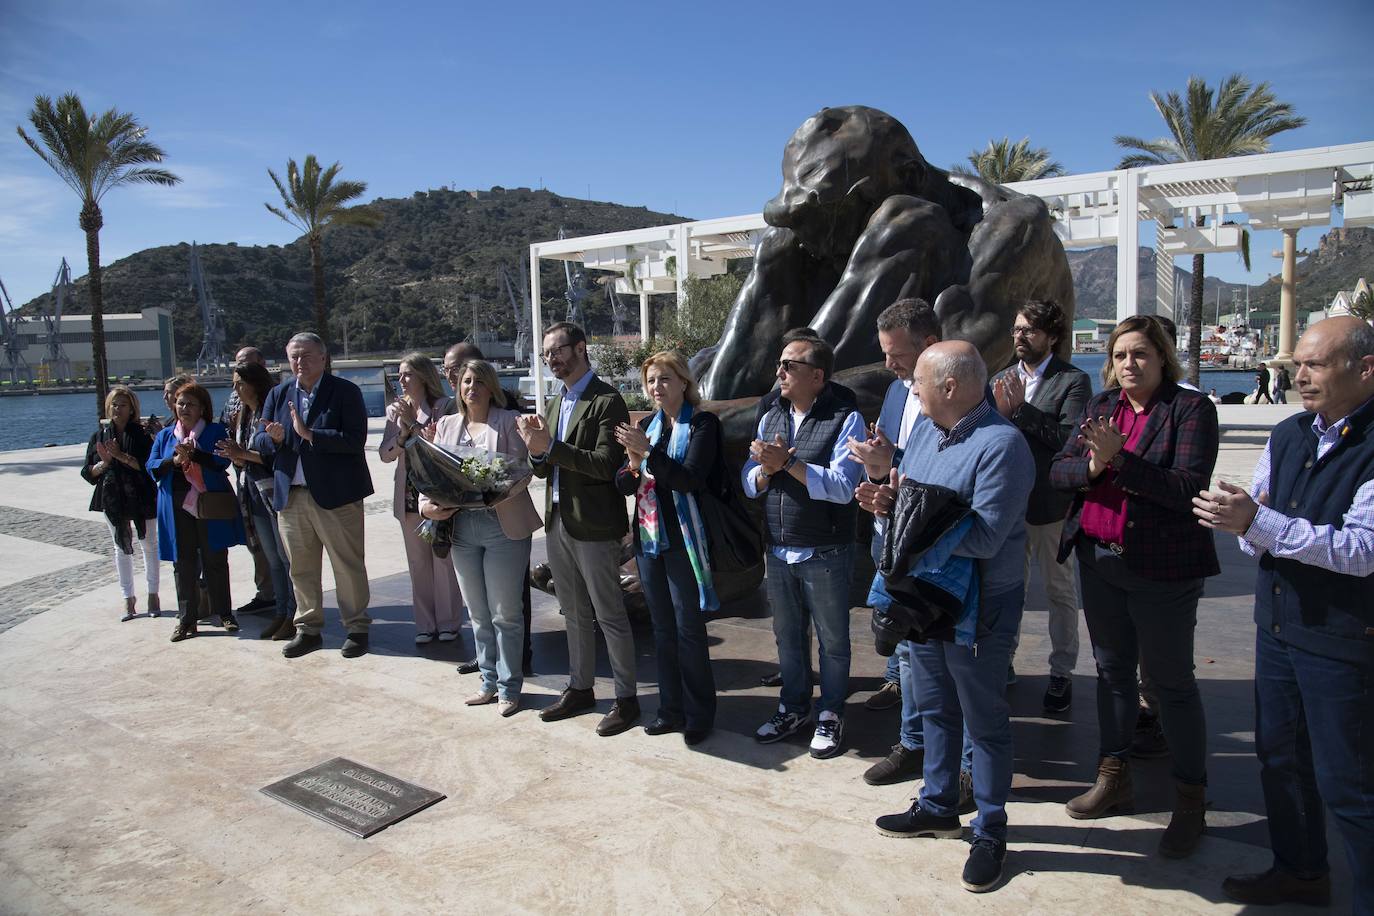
(536,331)
(682,250)
(643,316)
(1164,276)
(1127,243)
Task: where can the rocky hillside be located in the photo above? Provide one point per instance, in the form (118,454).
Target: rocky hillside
(1341,258)
(418,278)
(412,281)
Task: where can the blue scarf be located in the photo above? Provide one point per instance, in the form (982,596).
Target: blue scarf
(653,537)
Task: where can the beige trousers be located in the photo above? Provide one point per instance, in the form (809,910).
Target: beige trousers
(1061,591)
(434,592)
(310,531)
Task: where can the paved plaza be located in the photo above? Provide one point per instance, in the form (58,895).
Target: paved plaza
(133,766)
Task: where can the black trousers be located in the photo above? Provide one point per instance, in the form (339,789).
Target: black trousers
(195,556)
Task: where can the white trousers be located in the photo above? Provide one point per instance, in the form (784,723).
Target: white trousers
(124,562)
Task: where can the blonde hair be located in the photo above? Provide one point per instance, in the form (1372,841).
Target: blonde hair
(126,391)
(671,359)
(486,374)
(423,366)
(1159,339)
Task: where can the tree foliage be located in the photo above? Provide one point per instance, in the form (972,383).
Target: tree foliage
(94,155)
(313,200)
(1002,162)
(1237,119)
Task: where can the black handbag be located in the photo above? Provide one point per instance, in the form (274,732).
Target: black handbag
(217,507)
(735,539)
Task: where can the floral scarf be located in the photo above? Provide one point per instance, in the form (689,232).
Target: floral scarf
(653,534)
(194,475)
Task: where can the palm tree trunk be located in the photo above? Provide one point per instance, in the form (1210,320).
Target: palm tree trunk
(1195,320)
(91,221)
(317,274)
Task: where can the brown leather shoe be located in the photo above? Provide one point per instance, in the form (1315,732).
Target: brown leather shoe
(1274,886)
(623,715)
(272,627)
(1112,790)
(287,631)
(571,703)
(1185,827)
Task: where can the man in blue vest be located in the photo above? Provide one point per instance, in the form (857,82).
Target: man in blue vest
(1309,517)
(800,465)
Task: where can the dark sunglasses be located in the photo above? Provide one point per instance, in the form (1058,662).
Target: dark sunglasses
(789,365)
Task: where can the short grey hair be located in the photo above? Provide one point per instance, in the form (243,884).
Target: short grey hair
(915,315)
(966,368)
(1358,345)
(308,337)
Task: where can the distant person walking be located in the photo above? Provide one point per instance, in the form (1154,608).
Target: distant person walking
(184,463)
(316,439)
(1282,383)
(1262,384)
(435,598)
(116,460)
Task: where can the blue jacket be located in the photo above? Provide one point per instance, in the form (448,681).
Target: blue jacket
(223,533)
(335,462)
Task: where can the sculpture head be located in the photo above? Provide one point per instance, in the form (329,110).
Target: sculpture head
(836,169)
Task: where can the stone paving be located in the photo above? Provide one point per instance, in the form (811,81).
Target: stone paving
(133,766)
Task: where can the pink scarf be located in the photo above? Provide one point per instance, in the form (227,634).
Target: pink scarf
(194,475)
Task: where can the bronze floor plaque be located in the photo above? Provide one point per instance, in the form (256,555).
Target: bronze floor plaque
(352,797)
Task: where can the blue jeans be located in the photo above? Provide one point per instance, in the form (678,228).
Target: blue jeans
(1314,736)
(686,686)
(818,589)
(957,689)
(491,572)
(910,736)
(274,550)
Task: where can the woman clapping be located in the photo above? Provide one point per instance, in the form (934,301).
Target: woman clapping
(670,457)
(124,493)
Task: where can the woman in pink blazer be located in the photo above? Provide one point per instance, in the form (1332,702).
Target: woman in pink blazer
(434,589)
(491,545)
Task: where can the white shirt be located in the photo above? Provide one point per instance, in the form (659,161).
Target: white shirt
(303,401)
(911,412)
(1032,377)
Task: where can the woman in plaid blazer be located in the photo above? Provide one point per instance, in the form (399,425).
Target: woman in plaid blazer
(1146,448)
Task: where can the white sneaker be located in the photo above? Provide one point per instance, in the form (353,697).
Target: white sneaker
(447,636)
(424,639)
(782,724)
(826,741)
(508,707)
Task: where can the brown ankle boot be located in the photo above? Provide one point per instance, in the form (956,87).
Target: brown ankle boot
(286,631)
(1185,827)
(1112,790)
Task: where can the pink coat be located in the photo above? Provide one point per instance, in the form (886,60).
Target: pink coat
(391,450)
(518,517)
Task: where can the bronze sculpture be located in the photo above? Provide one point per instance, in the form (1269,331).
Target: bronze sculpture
(863,220)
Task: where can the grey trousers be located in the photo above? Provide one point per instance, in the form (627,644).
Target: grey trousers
(586,578)
(1042,546)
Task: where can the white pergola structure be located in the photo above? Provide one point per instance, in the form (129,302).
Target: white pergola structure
(1202,207)
(1285,191)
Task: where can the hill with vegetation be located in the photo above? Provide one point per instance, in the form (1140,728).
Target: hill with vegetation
(429,272)
(415,280)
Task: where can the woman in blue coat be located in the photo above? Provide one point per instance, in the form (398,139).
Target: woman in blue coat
(184,464)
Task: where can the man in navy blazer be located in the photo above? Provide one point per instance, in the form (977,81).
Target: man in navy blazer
(314,437)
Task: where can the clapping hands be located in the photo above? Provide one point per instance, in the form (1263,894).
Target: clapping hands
(879,498)
(1103,439)
(771,456)
(535,432)
(1009,392)
(634,440)
(875,453)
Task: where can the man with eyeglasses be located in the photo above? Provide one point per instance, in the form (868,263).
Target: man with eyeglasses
(800,465)
(454,358)
(1044,396)
(573,446)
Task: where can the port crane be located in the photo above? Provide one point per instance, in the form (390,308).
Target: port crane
(211,359)
(55,363)
(15,364)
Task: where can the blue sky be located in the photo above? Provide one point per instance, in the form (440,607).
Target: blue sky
(676,107)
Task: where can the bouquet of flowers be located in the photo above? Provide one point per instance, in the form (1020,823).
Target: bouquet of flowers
(462,476)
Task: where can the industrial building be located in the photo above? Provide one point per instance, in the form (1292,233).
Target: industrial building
(136,345)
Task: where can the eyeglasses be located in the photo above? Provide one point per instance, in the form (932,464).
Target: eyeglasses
(451,371)
(1020,331)
(790,365)
(553,351)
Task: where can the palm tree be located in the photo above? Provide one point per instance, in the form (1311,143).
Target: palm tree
(1238,120)
(1004,161)
(93,155)
(313,200)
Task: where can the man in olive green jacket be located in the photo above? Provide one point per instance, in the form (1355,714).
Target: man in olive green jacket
(573,446)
